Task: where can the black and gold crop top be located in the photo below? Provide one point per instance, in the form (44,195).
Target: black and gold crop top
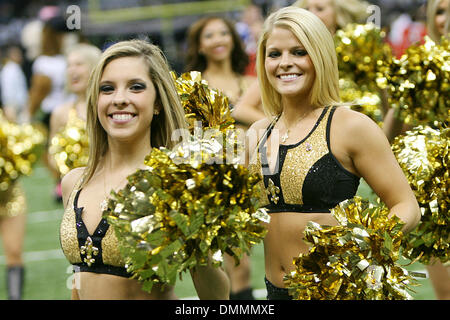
(308,178)
(99,252)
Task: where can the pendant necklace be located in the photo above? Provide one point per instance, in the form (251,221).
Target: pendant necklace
(285,136)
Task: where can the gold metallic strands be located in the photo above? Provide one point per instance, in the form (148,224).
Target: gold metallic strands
(19,145)
(360,50)
(70,146)
(13,201)
(202,103)
(356,260)
(423,154)
(419,83)
(193,203)
(169,218)
(366,102)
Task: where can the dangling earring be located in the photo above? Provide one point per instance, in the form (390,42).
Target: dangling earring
(156,112)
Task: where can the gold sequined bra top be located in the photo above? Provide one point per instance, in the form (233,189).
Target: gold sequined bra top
(99,252)
(307,178)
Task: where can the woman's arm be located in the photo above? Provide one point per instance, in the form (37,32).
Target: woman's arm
(392,126)
(211,283)
(248,109)
(372,158)
(40,88)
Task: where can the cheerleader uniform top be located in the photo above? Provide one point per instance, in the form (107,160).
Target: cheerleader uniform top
(99,252)
(307,178)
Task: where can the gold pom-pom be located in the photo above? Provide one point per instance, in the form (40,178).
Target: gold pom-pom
(419,83)
(170,217)
(423,155)
(356,260)
(203,104)
(19,149)
(70,146)
(13,201)
(360,50)
(366,102)
(193,203)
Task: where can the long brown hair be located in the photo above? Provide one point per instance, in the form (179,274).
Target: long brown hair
(196,61)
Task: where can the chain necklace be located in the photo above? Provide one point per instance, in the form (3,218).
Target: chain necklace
(285,136)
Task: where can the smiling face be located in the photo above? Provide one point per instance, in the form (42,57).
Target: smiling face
(126,100)
(216,41)
(441,16)
(288,66)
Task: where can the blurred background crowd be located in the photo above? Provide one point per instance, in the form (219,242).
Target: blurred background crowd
(102,22)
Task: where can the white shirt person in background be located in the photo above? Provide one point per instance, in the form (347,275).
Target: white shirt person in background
(13,85)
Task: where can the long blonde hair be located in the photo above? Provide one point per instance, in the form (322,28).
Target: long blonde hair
(432,7)
(170,118)
(347,11)
(319,44)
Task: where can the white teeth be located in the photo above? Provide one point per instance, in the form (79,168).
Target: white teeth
(288,76)
(122,116)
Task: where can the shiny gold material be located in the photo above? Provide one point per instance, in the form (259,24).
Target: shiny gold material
(20,146)
(299,161)
(68,230)
(203,104)
(419,83)
(356,260)
(110,249)
(361,51)
(70,146)
(423,154)
(69,238)
(255,169)
(16,203)
(90,251)
(192,203)
(273,190)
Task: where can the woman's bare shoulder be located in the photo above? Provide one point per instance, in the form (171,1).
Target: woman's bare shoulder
(69,181)
(353,120)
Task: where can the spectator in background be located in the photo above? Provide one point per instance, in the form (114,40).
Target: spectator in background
(438,19)
(13,204)
(336,14)
(249,28)
(13,85)
(216,50)
(48,72)
(48,78)
(80,61)
(406,30)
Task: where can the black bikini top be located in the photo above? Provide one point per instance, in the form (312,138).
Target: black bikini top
(99,252)
(307,177)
